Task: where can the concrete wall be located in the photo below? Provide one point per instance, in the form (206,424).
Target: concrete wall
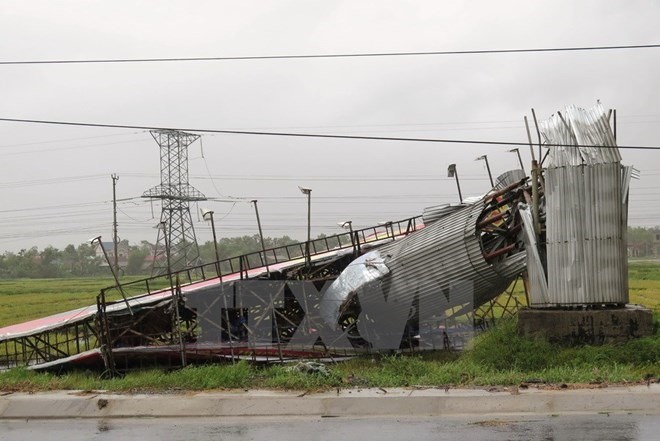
(576,327)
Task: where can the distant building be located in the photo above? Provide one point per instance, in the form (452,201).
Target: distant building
(122,254)
(636,249)
(154,251)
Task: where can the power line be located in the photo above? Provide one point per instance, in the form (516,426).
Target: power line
(76,147)
(350,55)
(67,206)
(310,135)
(396,124)
(52,141)
(96,214)
(344,178)
(51,181)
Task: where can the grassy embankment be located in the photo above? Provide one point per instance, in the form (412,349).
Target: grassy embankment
(498,357)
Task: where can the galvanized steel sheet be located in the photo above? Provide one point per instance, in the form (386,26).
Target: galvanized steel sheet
(442,266)
(586,212)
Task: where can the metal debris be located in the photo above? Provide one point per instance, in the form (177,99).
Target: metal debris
(310,367)
(583,259)
(467,256)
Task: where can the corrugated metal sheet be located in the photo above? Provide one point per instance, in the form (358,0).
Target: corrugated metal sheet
(442,265)
(508,178)
(538,293)
(577,126)
(432,214)
(586,212)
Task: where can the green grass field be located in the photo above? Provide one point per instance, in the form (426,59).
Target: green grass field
(644,281)
(27,299)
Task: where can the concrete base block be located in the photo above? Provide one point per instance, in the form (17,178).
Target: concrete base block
(593,327)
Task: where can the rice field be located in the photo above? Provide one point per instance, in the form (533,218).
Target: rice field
(27,299)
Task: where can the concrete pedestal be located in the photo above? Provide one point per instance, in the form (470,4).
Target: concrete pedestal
(593,327)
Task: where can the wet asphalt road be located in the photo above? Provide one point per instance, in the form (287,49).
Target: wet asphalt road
(566,427)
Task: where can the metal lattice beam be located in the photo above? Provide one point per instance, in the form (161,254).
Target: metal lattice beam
(178,232)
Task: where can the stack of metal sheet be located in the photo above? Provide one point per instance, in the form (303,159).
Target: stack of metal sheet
(586,195)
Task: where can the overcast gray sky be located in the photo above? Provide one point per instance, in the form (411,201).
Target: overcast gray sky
(55,184)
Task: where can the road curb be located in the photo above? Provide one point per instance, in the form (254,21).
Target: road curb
(344,403)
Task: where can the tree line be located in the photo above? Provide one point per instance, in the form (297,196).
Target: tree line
(643,242)
(84,261)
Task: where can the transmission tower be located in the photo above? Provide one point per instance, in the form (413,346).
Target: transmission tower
(176,230)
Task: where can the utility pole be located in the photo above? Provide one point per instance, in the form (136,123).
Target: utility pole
(114,275)
(261,237)
(355,241)
(538,134)
(490,176)
(308,192)
(451,173)
(517,151)
(115,238)
(208,216)
(529,138)
(175,291)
